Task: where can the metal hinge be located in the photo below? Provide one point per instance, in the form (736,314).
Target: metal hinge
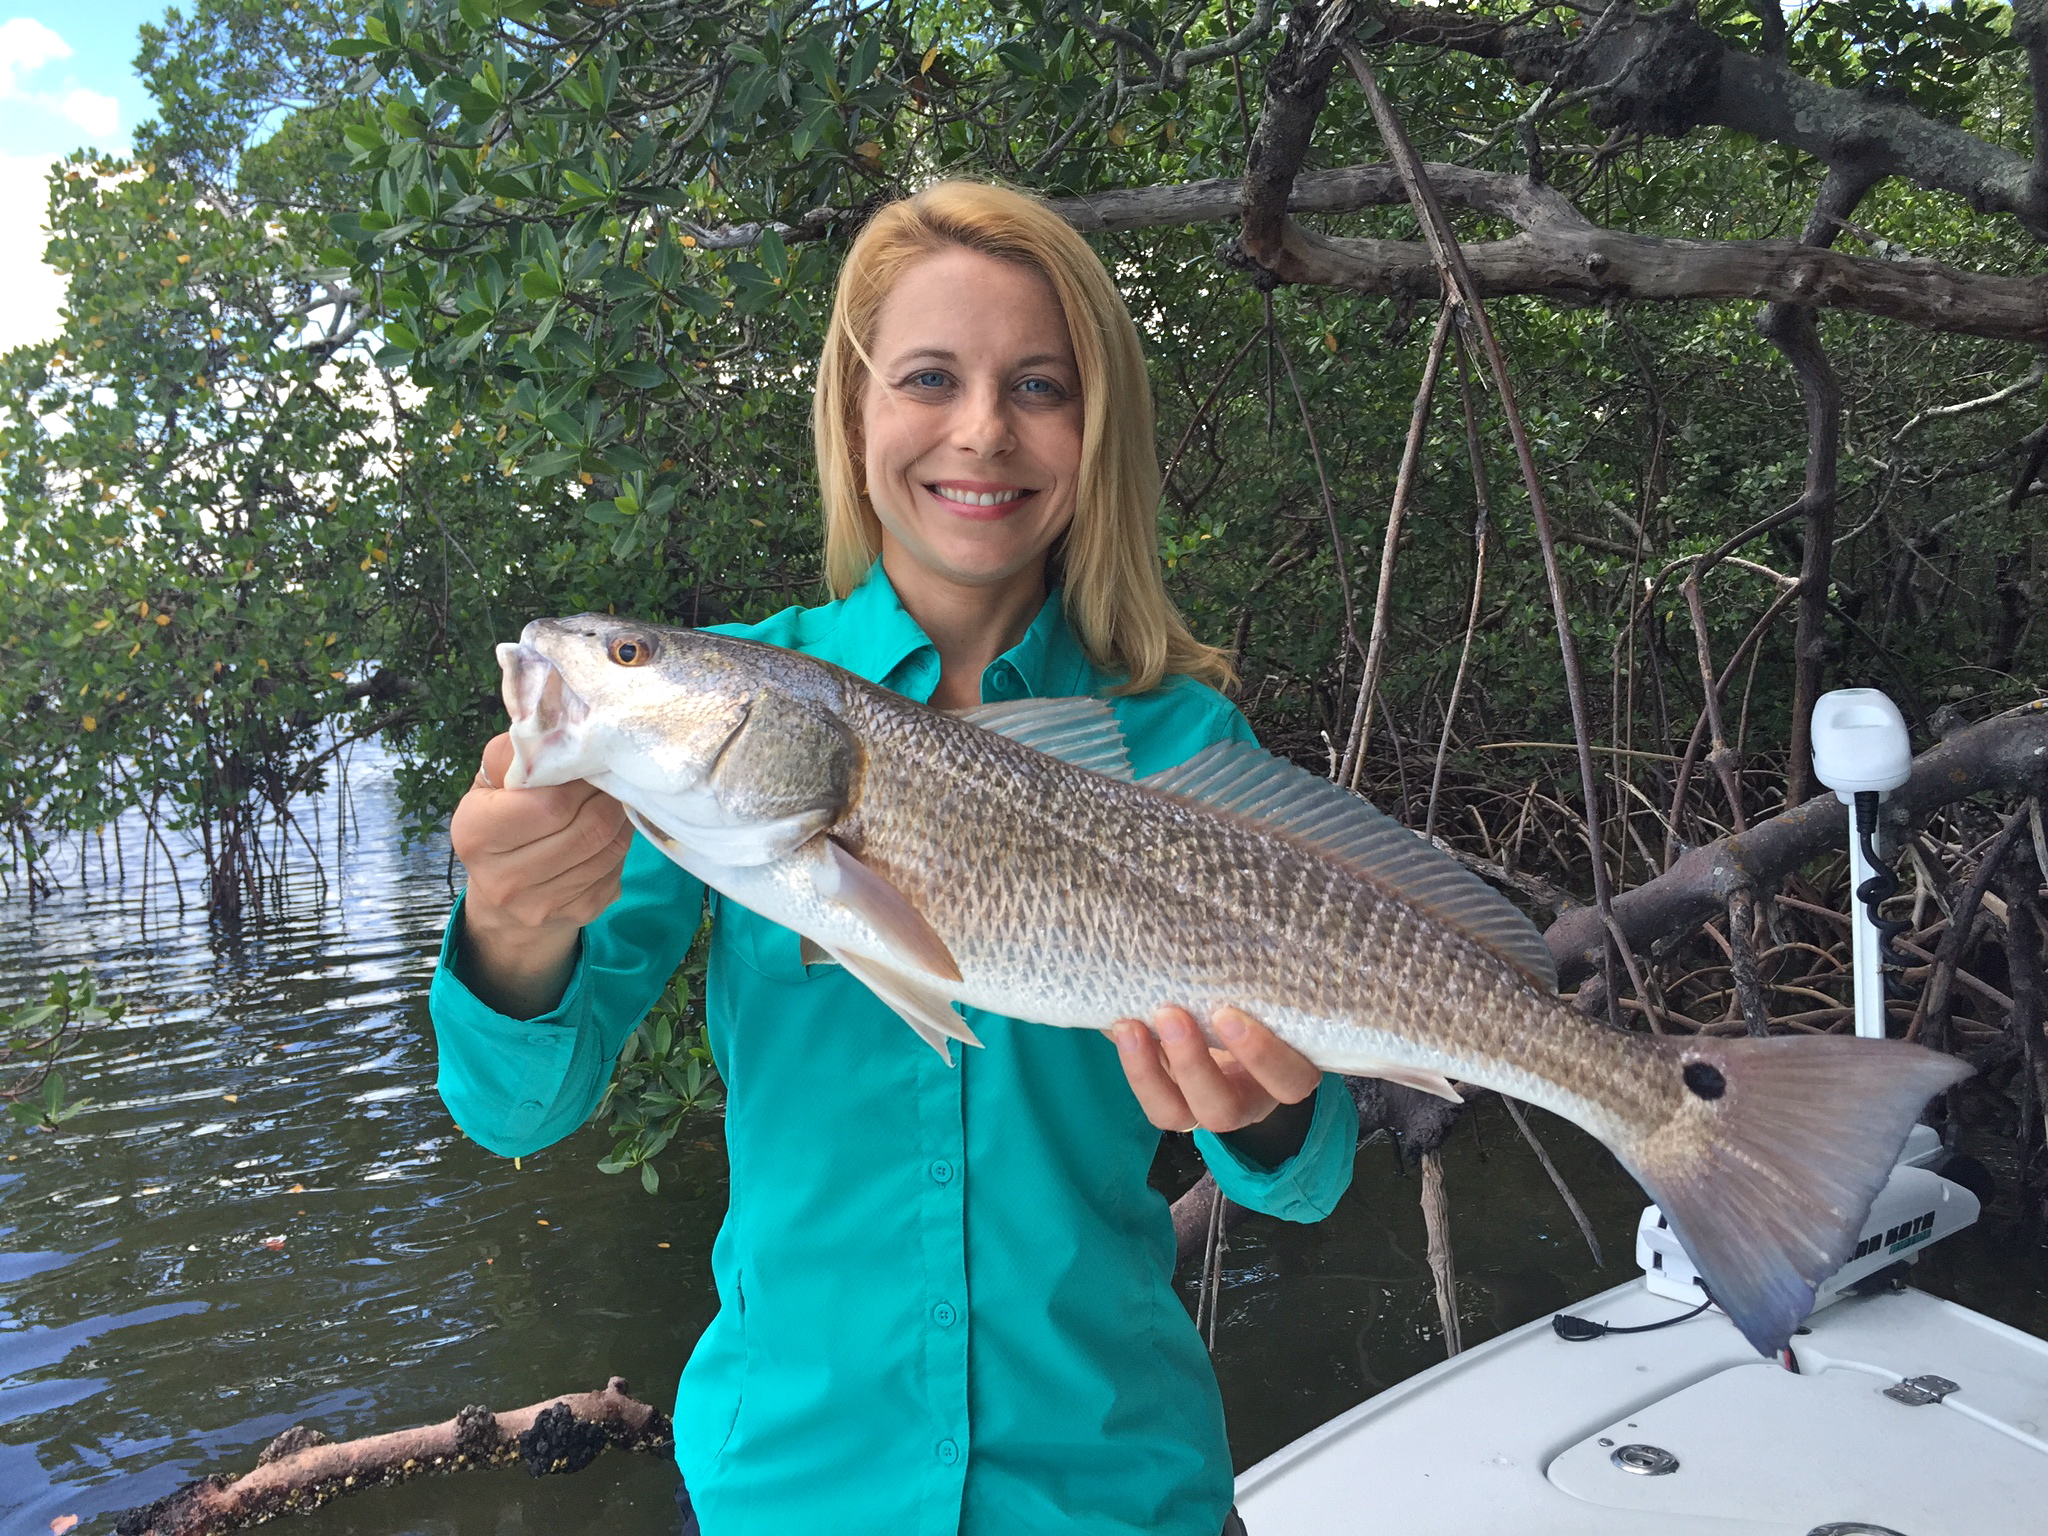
(1918,1391)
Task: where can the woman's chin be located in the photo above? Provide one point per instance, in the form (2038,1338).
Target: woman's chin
(976,553)
(975,564)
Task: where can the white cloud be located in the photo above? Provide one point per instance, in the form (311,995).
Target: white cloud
(26,46)
(33,293)
(98,115)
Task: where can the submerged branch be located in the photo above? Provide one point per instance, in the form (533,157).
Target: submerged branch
(301,1469)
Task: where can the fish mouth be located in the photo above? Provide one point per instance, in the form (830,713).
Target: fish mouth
(547,714)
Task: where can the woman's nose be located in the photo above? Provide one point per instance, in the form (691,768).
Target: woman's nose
(983,424)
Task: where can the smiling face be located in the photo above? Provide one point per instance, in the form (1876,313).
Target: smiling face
(970,423)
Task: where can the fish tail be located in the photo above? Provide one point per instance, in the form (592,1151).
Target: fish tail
(1770,1165)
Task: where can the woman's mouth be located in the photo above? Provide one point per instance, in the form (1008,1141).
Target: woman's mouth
(979,499)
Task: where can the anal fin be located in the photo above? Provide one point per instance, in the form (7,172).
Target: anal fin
(1420,1079)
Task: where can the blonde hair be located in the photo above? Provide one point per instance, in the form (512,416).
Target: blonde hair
(1108,560)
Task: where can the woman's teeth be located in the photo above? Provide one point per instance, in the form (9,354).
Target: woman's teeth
(979,498)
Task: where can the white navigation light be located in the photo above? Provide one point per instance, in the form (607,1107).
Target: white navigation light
(1860,743)
(1862,752)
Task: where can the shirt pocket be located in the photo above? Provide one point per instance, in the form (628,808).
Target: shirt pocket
(739,1397)
(766,948)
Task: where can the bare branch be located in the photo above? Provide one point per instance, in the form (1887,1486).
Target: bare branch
(1790,327)
(1561,255)
(302,1469)
(1667,74)
(1297,84)
(1253,32)
(2006,754)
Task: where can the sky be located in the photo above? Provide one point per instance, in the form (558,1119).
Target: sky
(67,82)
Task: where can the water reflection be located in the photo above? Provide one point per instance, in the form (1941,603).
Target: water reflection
(266,1218)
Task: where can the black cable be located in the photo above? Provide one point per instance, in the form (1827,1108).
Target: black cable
(1874,892)
(1579,1329)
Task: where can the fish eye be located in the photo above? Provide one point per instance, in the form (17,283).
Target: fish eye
(631,650)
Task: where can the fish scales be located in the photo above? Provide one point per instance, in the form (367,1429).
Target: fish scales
(944,863)
(1132,899)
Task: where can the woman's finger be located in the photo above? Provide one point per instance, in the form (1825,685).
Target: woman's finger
(496,761)
(1276,1066)
(568,888)
(1162,1101)
(1219,1099)
(595,821)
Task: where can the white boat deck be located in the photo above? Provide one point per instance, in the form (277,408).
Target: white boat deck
(1518,1435)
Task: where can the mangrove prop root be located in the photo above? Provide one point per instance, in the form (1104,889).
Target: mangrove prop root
(2006,754)
(302,1469)
(1418,1122)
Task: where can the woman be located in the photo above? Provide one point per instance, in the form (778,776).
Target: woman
(945,1292)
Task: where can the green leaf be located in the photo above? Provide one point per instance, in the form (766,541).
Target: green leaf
(34,1018)
(774,255)
(544,465)
(649,1179)
(638,373)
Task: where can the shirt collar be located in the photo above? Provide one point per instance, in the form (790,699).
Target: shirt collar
(1048,663)
(878,639)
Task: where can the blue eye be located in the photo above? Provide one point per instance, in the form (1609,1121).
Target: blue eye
(930,378)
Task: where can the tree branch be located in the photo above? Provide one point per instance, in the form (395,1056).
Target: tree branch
(1791,329)
(1665,74)
(1561,255)
(2006,754)
(2030,31)
(1593,266)
(1297,84)
(301,1469)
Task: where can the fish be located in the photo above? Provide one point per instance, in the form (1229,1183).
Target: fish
(1004,858)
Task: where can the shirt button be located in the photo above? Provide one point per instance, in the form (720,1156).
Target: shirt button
(942,1172)
(948,1452)
(943,1314)
(1002,684)
(530,1106)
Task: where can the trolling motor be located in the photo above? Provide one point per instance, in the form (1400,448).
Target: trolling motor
(1861,752)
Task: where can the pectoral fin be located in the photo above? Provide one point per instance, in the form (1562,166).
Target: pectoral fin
(925,1009)
(912,941)
(733,847)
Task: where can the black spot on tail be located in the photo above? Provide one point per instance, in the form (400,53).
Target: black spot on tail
(1705,1079)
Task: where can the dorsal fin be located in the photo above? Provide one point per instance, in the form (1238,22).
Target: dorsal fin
(1251,782)
(1080,731)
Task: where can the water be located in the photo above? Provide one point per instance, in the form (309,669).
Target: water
(149,1334)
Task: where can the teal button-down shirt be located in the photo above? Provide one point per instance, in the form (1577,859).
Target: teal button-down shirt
(945,1293)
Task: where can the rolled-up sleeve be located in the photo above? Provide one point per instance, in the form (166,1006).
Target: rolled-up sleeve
(517,1085)
(1308,1185)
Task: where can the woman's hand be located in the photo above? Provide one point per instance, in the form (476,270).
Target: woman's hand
(1183,1083)
(541,864)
